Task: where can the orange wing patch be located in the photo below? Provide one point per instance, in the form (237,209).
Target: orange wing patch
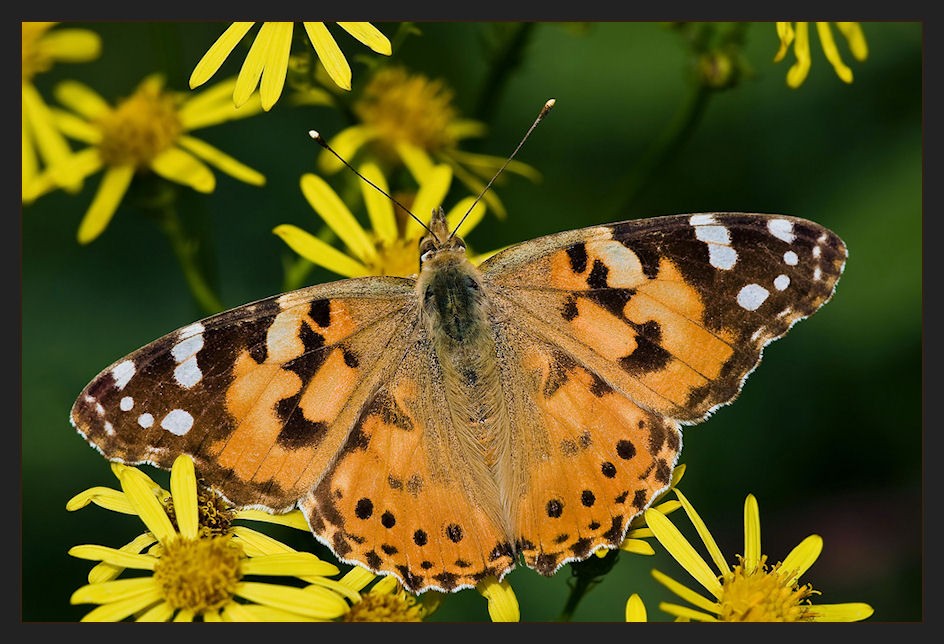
(616,455)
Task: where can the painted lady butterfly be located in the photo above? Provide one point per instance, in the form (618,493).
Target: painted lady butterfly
(442,427)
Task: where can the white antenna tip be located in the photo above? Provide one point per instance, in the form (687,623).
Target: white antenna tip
(550,103)
(314,134)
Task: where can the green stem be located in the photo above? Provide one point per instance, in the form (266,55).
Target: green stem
(186,251)
(586,574)
(672,139)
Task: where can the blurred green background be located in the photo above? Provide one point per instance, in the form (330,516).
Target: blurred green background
(827,433)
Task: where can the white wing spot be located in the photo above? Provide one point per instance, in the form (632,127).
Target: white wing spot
(186,348)
(752,296)
(781,229)
(177,421)
(701,220)
(817,251)
(193,329)
(145,420)
(713,234)
(109,429)
(126,403)
(122,373)
(790,258)
(817,274)
(187,373)
(781,282)
(99,409)
(723,257)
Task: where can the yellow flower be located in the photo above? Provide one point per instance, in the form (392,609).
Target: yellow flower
(502,602)
(799,38)
(635,609)
(268,59)
(390,246)
(407,118)
(146,132)
(199,564)
(43,144)
(751,591)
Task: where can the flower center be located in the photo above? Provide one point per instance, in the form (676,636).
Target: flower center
(140,128)
(763,595)
(407,108)
(386,607)
(214,516)
(35,59)
(199,574)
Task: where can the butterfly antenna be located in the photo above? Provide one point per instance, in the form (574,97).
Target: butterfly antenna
(544,110)
(317,137)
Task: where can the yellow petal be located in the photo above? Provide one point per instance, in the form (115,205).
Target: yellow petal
(433,188)
(119,610)
(50,142)
(110,591)
(683,552)
(76,128)
(326,203)
(276,65)
(294,519)
(369,35)
(785,33)
(457,212)
(416,160)
(221,160)
(81,99)
(635,609)
(379,206)
(162,612)
(251,71)
(801,68)
(329,54)
(338,586)
(358,578)
(218,52)
(686,613)
(346,143)
(312,601)
(637,547)
(138,488)
(802,557)
(256,543)
(852,31)
(182,167)
(752,548)
(183,489)
(713,550)
(120,558)
(502,602)
(832,52)
(853,612)
(105,497)
(318,252)
(687,593)
(296,564)
(110,192)
(105,571)
(72,45)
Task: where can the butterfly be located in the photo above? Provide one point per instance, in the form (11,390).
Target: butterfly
(448,426)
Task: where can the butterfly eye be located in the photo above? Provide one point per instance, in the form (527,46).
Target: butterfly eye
(426,255)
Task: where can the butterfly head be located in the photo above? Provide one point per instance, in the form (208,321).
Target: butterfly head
(439,243)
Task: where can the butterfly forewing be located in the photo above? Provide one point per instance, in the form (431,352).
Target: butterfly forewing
(261,396)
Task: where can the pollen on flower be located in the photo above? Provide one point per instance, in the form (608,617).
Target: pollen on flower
(199,575)
(214,516)
(386,607)
(763,595)
(140,127)
(407,108)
